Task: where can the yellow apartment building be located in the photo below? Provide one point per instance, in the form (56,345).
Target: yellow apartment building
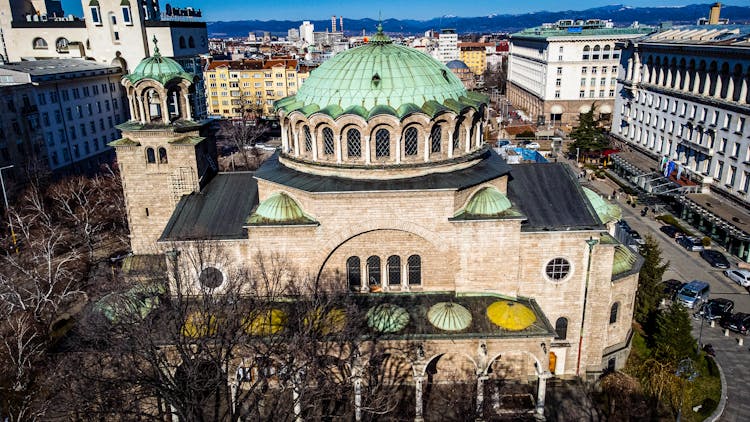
(474,54)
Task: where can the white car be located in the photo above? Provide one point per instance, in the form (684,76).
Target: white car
(741,277)
(532,145)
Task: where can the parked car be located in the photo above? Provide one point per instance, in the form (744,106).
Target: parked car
(691,243)
(739,323)
(741,277)
(502,143)
(636,238)
(671,231)
(716,309)
(532,145)
(693,293)
(671,287)
(715,258)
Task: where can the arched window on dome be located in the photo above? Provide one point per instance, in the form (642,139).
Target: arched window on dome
(163,156)
(353,273)
(308,138)
(436,138)
(561,328)
(182,42)
(414,264)
(394,270)
(373,270)
(382,143)
(328,148)
(353,143)
(150,156)
(411,141)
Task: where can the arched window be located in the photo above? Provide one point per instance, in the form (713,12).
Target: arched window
(353,273)
(327,141)
(613,312)
(373,270)
(308,139)
(436,138)
(605,52)
(150,156)
(353,143)
(561,328)
(586,50)
(457,138)
(415,270)
(191,42)
(595,54)
(411,141)
(61,45)
(394,270)
(40,44)
(382,143)
(182,42)
(162,156)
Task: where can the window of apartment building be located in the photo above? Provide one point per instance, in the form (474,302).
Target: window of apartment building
(279,75)
(86,92)
(601,93)
(559,70)
(83,129)
(292,84)
(79,111)
(745,182)
(584,69)
(109,122)
(731,175)
(76,151)
(101,124)
(682,109)
(603,81)
(234,75)
(223,85)
(727,121)
(581,94)
(557,94)
(279,83)
(604,69)
(65,96)
(73,132)
(90,108)
(92,124)
(95,89)
(267,75)
(76,93)
(723,145)
(595,55)
(704,114)
(591,93)
(222,75)
(558,82)
(594,70)
(211,75)
(233,84)
(106,104)
(613,81)
(104,88)
(736,150)
(69,113)
(45,119)
(583,81)
(592,81)
(246,84)
(740,125)
(126,16)
(257,84)
(257,75)
(269,83)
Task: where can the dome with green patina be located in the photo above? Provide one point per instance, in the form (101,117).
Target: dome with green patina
(487,202)
(449,316)
(624,260)
(606,211)
(279,208)
(381,77)
(159,68)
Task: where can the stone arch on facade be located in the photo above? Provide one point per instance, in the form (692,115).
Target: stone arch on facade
(450,386)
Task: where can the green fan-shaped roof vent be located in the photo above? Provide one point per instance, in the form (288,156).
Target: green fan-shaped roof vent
(387,318)
(624,260)
(379,73)
(449,316)
(159,68)
(606,211)
(279,208)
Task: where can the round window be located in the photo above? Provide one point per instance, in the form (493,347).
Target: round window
(557,269)
(211,277)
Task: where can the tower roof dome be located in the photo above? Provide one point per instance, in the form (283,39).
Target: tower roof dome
(382,76)
(159,68)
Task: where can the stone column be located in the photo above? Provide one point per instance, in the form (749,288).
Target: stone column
(368,160)
(297,399)
(142,113)
(364,277)
(450,143)
(717,90)
(706,88)
(295,135)
(165,109)
(541,393)
(339,150)
(730,89)
(314,145)
(629,70)
(398,149)
(480,396)
(233,396)
(284,139)
(427,148)
(468,138)
(130,106)
(743,91)
(635,74)
(188,113)
(357,381)
(686,85)
(418,381)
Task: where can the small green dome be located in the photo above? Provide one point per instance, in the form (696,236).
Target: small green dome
(488,202)
(449,316)
(378,73)
(606,211)
(387,318)
(279,208)
(624,260)
(158,68)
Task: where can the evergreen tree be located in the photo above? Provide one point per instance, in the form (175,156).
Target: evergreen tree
(649,290)
(589,136)
(672,339)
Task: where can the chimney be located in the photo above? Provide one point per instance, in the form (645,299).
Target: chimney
(333,23)
(341,24)
(713,17)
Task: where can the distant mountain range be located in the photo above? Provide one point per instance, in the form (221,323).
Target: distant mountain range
(621,15)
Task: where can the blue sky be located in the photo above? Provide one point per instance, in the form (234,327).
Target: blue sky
(410,9)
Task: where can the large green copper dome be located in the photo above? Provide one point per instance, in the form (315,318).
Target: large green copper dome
(158,68)
(380,77)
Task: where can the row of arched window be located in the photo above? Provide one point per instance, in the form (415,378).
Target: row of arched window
(151,156)
(395,272)
(561,325)
(353,138)
(190,42)
(598,52)
(61,44)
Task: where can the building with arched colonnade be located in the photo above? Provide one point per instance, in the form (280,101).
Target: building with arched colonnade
(383,184)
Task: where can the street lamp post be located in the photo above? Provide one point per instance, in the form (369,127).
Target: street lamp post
(5,198)
(687,371)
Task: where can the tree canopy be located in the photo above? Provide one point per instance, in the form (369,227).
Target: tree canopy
(649,290)
(589,136)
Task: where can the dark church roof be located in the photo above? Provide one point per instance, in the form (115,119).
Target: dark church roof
(551,198)
(217,212)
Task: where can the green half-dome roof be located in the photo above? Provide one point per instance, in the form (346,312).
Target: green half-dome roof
(158,68)
(624,260)
(606,211)
(449,316)
(387,318)
(379,73)
(279,208)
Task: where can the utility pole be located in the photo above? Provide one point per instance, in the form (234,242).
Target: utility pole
(7,210)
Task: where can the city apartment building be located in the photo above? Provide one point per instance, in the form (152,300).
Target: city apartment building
(73,105)
(21,144)
(684,97)
(474,54)
(447,48)
(557,71)
(234,86)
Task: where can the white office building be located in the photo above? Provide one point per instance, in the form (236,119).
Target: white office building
(447,48)
(557,71)
(306,32)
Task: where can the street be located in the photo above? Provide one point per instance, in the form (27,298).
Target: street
(686,266)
